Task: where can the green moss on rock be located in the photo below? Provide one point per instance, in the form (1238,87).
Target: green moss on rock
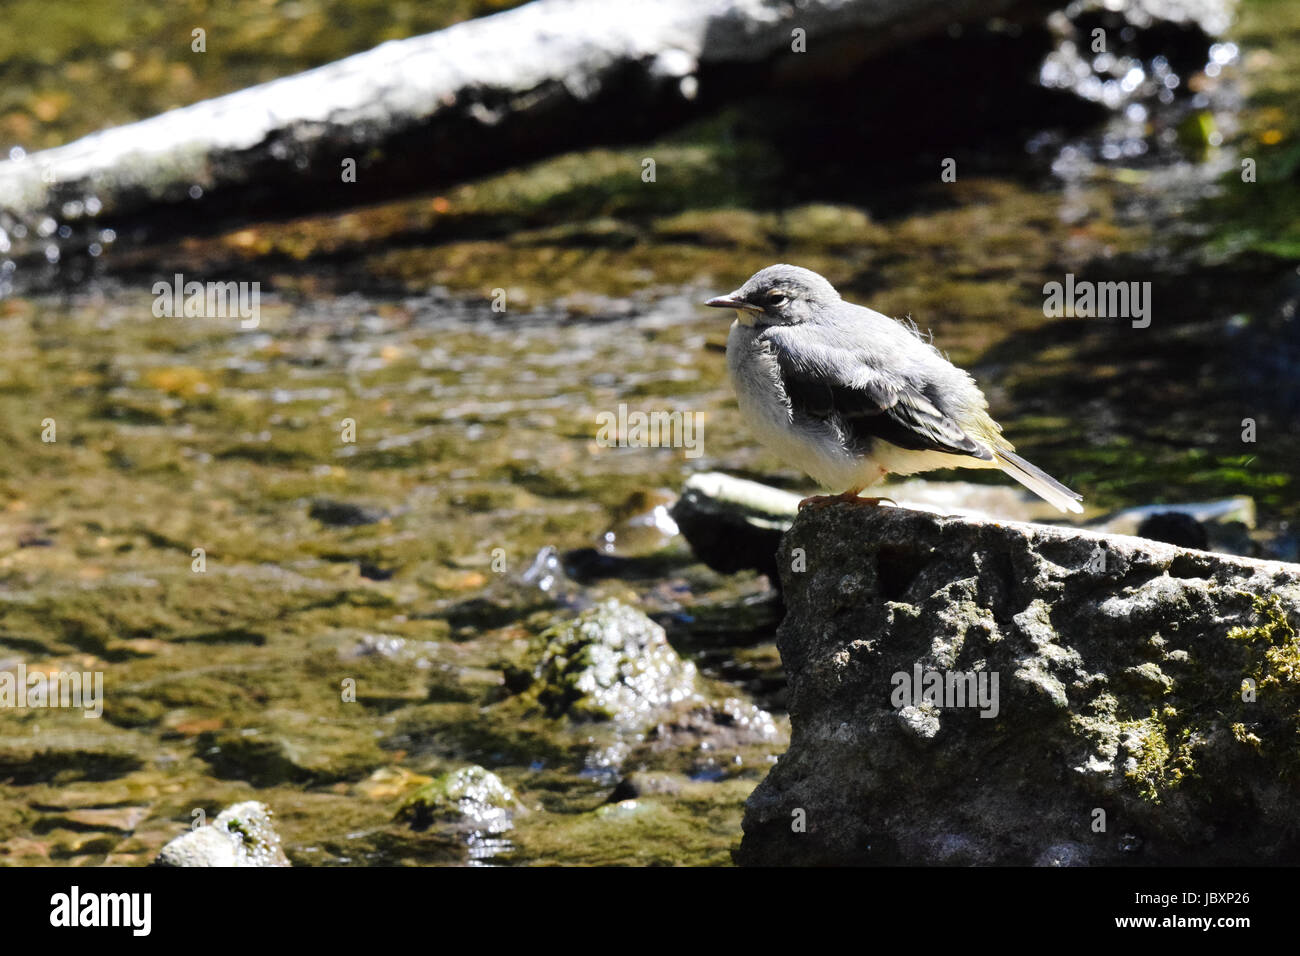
(1157,758)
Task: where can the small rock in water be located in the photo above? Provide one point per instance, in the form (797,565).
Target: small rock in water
(471,801)
(733,524)
(1223,526)
(610,663)
(470,795)
(1174,527)
(641,784)
(374,572)
(344,514)
(241,835)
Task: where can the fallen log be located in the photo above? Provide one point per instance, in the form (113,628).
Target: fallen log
(431,110)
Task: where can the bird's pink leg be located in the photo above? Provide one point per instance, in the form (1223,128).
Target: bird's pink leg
(848,497)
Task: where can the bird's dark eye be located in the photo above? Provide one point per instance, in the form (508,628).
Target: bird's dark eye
(776,297)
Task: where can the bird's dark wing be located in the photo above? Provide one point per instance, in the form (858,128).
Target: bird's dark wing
(871,406)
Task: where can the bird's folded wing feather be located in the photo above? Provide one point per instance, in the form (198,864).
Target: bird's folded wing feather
(870,404)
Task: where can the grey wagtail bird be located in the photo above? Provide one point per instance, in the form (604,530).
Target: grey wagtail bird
(849,395)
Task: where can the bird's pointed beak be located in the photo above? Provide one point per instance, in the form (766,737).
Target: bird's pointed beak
(732,300)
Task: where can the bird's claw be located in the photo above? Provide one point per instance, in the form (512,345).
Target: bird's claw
(817,502)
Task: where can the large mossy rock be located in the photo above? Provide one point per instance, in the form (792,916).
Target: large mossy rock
(1145,710)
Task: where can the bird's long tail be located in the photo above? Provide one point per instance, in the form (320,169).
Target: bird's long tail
(1038,481)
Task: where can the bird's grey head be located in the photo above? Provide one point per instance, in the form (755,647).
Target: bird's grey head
(779,295)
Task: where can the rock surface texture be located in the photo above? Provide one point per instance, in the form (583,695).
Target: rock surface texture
(1135,703)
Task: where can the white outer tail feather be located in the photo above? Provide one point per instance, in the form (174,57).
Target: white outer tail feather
(1039,481)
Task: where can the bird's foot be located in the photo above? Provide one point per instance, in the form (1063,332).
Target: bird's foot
(817,502)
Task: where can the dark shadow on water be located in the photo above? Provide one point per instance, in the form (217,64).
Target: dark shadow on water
(1156,414)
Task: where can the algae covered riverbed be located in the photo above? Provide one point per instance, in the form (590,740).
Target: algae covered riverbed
(321,562)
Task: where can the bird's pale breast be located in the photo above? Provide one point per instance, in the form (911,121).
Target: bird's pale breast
(815,448)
